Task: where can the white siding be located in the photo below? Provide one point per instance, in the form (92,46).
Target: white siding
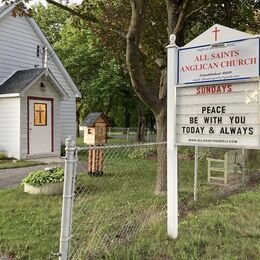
(18,43)
(10,126)
(35,91)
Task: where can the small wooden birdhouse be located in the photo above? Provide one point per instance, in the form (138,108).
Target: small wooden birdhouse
(95,128)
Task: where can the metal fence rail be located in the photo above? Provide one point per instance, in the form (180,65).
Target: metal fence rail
(129,134)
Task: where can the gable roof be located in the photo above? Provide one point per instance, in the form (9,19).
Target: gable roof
(2,8)
(91,119)
(223,33)
(19,80)
(22,80)
(6,9)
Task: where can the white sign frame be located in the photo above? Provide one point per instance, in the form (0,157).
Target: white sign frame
(172,146)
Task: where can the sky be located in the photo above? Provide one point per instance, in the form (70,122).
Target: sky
(44,2)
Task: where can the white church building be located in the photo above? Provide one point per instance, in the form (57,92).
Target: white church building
(37,95)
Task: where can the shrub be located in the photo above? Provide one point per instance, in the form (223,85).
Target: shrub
(205,152)
(186,152)
(38,178)
(143,153)
(3,156)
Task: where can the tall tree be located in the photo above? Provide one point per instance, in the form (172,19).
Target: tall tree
(104,84)
(144,27)
(145,40)
(145,55)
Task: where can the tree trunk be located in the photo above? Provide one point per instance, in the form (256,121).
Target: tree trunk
(250,155)
(228,14)
(141,125)
(152,123)
(152,95)
(161,178)
(126,117)
(79,106)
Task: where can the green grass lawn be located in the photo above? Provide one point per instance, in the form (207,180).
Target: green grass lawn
(18,164)
(29,225)
(117,216)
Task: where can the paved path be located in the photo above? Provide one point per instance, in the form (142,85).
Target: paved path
(13,177)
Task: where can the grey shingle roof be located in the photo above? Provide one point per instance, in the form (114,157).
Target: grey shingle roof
(91,119)
(19,80)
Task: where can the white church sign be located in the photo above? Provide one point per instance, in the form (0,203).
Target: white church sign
(226,61)
(212,99)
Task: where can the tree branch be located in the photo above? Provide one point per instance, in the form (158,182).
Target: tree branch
(88,17)
(146,91)
(172,8)
(83,16)
(159,61)
(181,18)
(194,12)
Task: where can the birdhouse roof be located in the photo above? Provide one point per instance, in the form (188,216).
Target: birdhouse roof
(91,119)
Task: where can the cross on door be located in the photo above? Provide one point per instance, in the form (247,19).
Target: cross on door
(216,31)
(40,117)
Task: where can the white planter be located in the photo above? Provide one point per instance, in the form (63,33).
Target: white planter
(45,189)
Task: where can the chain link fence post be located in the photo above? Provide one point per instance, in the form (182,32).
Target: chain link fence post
(196,169)
(68,194)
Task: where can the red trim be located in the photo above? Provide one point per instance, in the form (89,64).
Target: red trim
(28,123)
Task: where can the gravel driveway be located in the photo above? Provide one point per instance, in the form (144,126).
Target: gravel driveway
(13,177)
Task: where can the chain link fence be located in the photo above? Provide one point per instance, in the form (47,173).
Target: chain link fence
(115,201)
(127,134)
(115,197)
(130,134)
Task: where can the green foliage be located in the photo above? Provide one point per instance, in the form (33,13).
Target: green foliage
(227,13)
(186,152)
(205,152)
(101,78)
(102,81)
(143,153)
(50,19)
(38,178)
(3,156)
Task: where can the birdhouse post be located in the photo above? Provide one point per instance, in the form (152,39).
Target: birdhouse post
(95,134)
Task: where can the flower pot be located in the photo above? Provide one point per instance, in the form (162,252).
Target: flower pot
(45,189)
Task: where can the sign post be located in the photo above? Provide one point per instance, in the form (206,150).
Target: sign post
(172,149)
